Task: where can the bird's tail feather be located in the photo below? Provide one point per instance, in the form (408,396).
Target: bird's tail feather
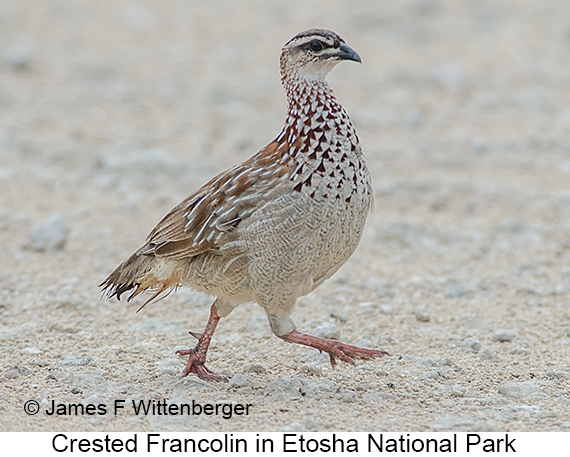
(135,275)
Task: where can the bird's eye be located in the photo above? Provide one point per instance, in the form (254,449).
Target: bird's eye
(316,46)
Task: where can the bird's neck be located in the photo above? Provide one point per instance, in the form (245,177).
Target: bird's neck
(305,92)
(322,145)
(311,105)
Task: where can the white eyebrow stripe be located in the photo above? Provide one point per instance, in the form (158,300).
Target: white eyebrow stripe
(308,39)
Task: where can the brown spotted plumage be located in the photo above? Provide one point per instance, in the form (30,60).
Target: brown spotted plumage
(274,227)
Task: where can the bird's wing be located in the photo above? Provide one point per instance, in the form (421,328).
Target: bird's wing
(199,223)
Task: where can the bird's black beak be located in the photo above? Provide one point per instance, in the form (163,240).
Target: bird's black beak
(347,53)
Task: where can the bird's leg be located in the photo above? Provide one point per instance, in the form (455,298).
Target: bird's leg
(335,349)
(198,354)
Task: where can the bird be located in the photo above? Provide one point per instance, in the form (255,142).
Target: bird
(274,227)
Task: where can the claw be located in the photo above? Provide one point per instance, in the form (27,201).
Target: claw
(196,335)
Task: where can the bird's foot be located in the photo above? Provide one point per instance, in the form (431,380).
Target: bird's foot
(197,356)
(196,365)
(335,349)
(347,353)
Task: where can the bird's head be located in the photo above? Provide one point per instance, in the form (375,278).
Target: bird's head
(312,54)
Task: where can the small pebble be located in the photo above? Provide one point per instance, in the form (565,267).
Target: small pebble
(18,57)
(362,386)
(479,145)
(456,289)
(422,316)
(449,76)
(476,322)
(472,343)
(327,330)
(522,390)
(448,423)
(193,382)
(377,286)
(348,396)
(503,335)
(415,118)
(364,343)
(310,424)
(50,234)
(12,373)
(386,309)
(168,365)
(94,399)
(326,386)
(76,360)
(255,368)
(238,380)
(558,374)
(287,388)
(528,408)
(294,427)
(255,384)
(38,361)
(457,391)
(340,317)
(429,376)
(311,369)
(425,363)
(488,354)
(61,376)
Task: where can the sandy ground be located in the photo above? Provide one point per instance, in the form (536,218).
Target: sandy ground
(112,112)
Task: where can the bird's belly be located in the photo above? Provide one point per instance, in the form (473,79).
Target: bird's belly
(302,241)
(290,246)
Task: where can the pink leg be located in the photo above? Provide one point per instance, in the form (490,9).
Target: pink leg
(198,354)
(335,349)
